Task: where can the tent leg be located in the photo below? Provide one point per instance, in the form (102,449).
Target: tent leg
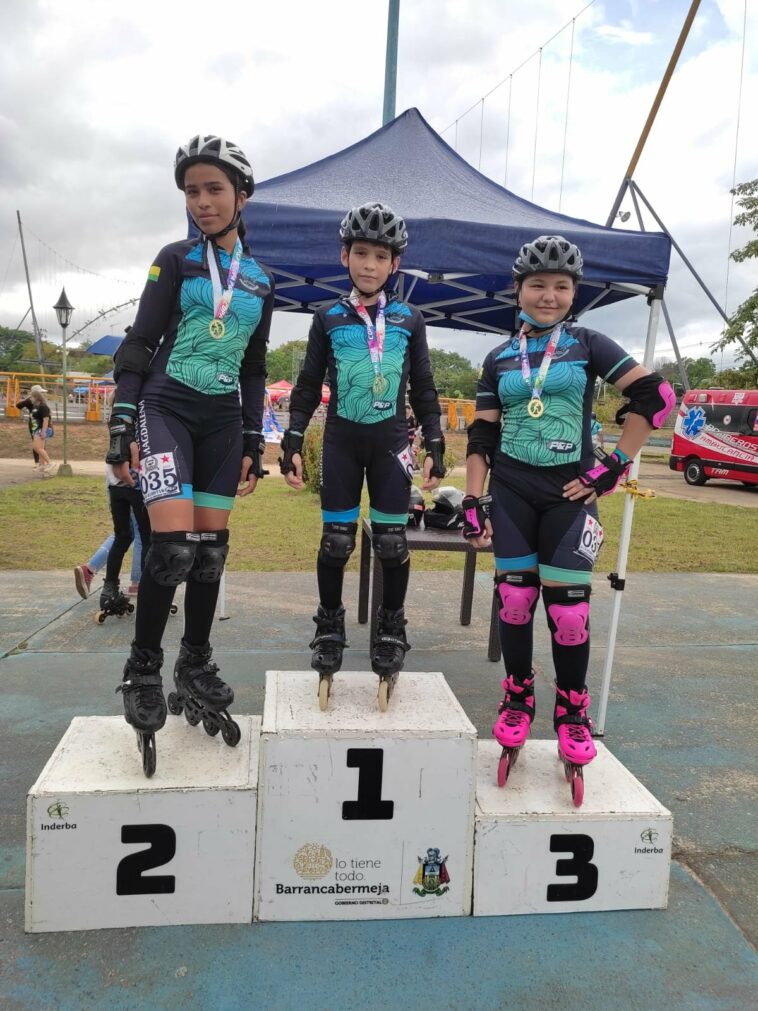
(618,578)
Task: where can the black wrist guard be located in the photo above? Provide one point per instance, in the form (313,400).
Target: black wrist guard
(436,449)
(291,443)
(475,512)
(253,446)
(122,436)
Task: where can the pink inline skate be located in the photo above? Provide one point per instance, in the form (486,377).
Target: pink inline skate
(575,745)
(514,722)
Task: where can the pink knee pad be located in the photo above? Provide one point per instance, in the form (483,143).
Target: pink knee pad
(517,602)
(570,622)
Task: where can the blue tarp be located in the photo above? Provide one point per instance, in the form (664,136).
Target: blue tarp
(464,229)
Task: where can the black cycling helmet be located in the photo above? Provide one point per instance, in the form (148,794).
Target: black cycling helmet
(214,151)
(548,254)
(375,222)
(447,511)
(416,507)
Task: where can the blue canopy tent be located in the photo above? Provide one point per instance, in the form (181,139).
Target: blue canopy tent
(107,345)
(465,231)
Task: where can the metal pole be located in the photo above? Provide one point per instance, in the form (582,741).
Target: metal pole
(618,578)
(65,468)
(680,364)
(390,65)
(35,327)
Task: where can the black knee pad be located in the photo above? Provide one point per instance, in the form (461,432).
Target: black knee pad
(390,544)
(337,544)
(210,556)
(171,556)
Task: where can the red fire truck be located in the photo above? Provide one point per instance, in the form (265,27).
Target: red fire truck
(716,435)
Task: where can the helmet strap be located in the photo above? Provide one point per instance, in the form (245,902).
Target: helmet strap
(366,294)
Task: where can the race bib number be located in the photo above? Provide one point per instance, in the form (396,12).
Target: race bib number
(405,460)
(159,478)
(591,539)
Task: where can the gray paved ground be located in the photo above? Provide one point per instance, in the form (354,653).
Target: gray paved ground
(681,719)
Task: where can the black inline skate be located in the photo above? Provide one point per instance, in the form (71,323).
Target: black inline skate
(201,694)
(144,704)
(113,601)
(388,651)
(327,644)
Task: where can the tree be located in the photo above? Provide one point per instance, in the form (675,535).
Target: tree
(11,347)
(742,328)
(454,375)
(279,362)
(700,372)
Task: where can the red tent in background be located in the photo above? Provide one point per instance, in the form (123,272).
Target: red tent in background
(278,390)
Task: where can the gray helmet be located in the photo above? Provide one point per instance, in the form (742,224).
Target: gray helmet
(209,148)
(416,507)
(447,511)
(548,254)
(375,222)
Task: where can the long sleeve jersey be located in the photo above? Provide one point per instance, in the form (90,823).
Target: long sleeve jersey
(173,320)
(338,350)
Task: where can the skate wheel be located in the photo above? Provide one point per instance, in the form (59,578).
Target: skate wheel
(577,786)
(130,608)
(99,617)
(191,715)
(146,745)
(210,726)
(175,707)
(504,767)
(384,695)
(174,609)
(324,686)
(231,733)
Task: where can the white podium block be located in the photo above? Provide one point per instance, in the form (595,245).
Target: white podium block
(536,853)
(364,814)
(107,847)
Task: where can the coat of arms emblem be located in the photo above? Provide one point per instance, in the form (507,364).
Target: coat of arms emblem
(431,877)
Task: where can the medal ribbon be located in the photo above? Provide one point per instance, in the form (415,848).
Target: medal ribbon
(526,370)
(221,297)
(375,333)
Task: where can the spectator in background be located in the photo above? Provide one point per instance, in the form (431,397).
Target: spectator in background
(40,428)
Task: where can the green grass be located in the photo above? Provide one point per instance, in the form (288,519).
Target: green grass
(58,523)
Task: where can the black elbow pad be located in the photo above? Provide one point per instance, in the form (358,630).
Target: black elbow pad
(651,397)
(134,355)
(483,439)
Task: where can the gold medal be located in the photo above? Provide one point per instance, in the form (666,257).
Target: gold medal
(379,387)
(535,408)
(216,329)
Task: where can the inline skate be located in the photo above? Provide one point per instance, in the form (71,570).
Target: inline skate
(575,745)
(144,704)
(113,601)
(201,694)
(388,651)
(514,722)
(327,645)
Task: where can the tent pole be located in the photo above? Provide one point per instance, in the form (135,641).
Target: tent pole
(618,578)
(390,65)
(748,351)
(680,364)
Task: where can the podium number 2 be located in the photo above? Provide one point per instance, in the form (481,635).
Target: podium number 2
(582,848)
(162,840)
(369,806)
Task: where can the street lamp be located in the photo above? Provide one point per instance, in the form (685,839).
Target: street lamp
(64,311)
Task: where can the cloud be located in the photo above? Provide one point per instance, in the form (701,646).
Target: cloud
(625,35)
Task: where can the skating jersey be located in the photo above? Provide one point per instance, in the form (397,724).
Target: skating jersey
(338,348)
(562,434)
(175,313)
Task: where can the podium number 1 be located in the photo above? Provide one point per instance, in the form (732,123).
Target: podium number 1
(162,840)
(369,806)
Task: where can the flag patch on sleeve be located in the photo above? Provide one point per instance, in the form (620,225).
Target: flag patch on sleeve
(154,273)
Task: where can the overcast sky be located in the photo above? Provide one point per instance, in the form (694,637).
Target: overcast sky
(96,97)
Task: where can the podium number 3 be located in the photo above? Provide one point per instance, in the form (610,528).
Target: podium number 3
(162,840)
(369,806)
(582,848)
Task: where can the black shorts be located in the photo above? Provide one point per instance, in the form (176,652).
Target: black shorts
(349,452)
(535,527)
(190,444)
